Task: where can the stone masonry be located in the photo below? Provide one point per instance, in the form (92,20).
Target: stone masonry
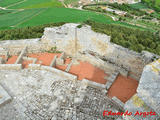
(43,95)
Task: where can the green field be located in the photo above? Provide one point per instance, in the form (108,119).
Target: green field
(5,3)
(139,6)
(71,15)
(23,13)
(29,4)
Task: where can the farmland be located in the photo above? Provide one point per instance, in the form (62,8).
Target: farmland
(19,13)
(24,13)
(137,15)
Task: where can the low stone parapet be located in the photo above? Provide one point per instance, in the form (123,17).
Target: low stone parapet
(93,84)
(10,66)
(34,66)
(59,72)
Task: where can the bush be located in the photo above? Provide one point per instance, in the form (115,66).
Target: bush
(133,39)
(25,33)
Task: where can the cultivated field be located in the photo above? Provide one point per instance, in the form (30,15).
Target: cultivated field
(23,13)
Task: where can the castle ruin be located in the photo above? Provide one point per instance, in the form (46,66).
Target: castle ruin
(73,73)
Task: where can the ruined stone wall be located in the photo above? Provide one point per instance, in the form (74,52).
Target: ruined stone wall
(74,41)
(127,59)
(14,47)
(71,39)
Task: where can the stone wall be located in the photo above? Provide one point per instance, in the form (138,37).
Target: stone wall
(53,70)
(10,66)
(71,39)
(74,41)
(14,47)
(127,59)
(149,89)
